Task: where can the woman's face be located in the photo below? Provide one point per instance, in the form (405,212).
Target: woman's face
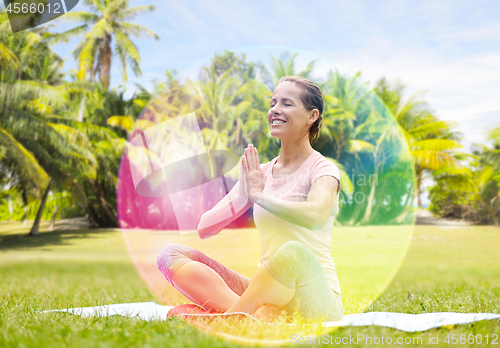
(287,116)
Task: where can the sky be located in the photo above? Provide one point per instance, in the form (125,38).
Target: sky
(449,51)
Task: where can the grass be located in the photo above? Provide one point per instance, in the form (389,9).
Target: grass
(442,269)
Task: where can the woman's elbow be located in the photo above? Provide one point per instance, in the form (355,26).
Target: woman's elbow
(318,221)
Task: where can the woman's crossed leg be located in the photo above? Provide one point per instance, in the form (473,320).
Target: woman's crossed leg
(292,279)
(201,279)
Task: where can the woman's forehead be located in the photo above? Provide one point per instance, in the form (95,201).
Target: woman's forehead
(287,90)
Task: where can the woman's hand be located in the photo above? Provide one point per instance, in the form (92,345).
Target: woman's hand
(254,178)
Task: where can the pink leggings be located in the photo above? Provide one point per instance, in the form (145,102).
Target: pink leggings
(173,256)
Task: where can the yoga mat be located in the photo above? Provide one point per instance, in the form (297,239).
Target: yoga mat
(400,321)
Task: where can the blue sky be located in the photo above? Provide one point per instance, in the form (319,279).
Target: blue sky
(450,49)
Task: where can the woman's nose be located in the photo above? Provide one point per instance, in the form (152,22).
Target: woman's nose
(276,109)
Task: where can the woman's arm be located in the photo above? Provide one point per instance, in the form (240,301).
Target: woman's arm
(313,213)
(232,206)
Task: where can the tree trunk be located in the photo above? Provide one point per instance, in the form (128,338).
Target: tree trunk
(406,210)
(100,218)
(371,197)
(81,111)
(53,220)
(368,210)
(419,188)
(356,212)
(105,68)
(25,219)
(25,202)
(93,216)
(496,203)
(92,73)
(11,209)
(36,224)
(111,216)
(104,216)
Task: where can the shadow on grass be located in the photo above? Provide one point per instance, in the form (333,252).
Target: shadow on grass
(21,241)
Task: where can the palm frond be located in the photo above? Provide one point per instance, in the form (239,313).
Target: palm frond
(26,164)
(79,16)
(435,145)
(133,12)
(129,49)
(124,122)
(354,145)
(69,34)
(7,58)
(431,128)
(432,159)
(137,30)
(485,175)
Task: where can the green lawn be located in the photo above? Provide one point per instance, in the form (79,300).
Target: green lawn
(444,269)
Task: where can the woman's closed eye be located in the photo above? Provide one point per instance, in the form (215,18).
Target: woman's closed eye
(273,105)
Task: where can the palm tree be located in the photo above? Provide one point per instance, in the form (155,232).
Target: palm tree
(228,102)
(27,55)
(342,138)
(343,100)
(472,191)
(8,59)
(33,142)
(17,164)
(39,152)
(285,66)
(108,21)
(431,142)
(105,108)
(488,177)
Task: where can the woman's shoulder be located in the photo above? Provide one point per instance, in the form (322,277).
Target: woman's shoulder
(320,160)
(320,166)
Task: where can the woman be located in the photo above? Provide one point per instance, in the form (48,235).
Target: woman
(296,199)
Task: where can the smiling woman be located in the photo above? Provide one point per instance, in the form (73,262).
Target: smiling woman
(299,94)
(296,200)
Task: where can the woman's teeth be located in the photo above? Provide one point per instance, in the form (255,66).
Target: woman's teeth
(277,122)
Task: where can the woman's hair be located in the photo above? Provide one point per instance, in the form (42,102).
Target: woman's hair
(312,98)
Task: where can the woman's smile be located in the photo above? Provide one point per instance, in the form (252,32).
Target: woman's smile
(277,122)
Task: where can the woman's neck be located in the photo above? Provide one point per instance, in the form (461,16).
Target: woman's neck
(294,152)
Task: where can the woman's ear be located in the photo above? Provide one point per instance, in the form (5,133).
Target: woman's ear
(313,116)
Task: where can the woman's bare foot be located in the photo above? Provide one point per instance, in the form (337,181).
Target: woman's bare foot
(268,313)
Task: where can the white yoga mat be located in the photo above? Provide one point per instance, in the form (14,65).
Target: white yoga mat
(401,321)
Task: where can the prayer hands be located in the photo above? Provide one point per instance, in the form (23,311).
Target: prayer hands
(254,177)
